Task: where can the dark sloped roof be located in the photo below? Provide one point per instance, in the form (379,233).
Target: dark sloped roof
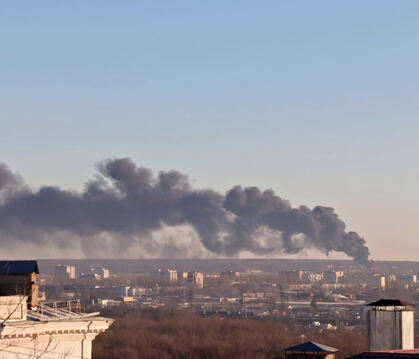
(389,303)
(396,354)
(19,267)
(311,347)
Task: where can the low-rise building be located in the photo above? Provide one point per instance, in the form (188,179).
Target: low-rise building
(312,277)
(333,276)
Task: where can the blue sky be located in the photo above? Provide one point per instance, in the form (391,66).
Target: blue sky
(317,100)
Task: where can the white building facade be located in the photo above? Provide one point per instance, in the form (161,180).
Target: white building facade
(47,333)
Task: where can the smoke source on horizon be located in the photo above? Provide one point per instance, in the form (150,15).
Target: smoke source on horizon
(128,203)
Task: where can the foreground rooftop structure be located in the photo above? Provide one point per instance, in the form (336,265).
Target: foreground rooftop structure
(388,354)
(309,350)
(18,267)
(49,332)
(390,325)
(20,277)
(28,329)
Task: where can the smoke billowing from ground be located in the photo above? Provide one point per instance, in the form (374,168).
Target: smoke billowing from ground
(125,204)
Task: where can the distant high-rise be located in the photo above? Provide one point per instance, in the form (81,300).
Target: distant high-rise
(172,275)
(104,273)
(197,278)
(64,271)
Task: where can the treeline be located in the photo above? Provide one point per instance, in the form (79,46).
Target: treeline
(164,334)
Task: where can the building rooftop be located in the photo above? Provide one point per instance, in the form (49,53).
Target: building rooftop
(59,311)
(390,303)
(388,354)
(311,347)
(18,267)
(13,309)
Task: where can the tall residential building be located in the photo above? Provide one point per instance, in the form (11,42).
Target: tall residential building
(62,271)
(172,275)
(104,273)
(197,278)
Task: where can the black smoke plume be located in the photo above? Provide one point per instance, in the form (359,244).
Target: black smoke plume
(128,202)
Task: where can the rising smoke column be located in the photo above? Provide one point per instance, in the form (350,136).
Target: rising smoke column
(9,182)
(129,203)
(291,228)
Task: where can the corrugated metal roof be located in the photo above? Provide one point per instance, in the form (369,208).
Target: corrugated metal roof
(18,267)
(311,347)
(390,303)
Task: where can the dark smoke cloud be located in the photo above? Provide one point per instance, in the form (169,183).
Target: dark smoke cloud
(9,182)
(129,203)
(7,178)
